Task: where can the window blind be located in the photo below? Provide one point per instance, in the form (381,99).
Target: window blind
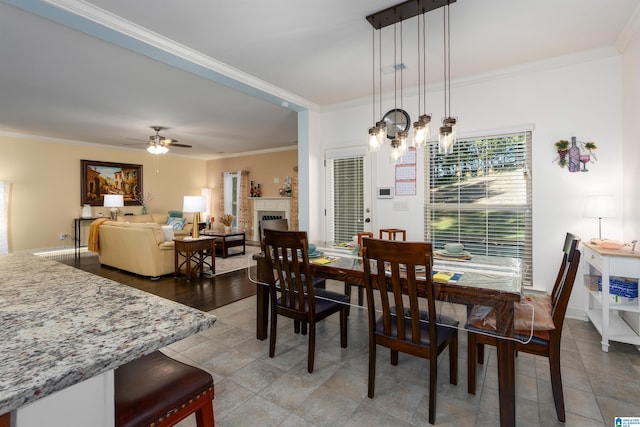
(480,195)
(345,204)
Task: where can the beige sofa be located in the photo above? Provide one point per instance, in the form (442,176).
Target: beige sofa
(158,218)
(135,247)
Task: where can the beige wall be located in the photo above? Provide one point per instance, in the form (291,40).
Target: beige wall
(263,168)
(45,186)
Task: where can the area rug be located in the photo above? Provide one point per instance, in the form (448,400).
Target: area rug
(236,262)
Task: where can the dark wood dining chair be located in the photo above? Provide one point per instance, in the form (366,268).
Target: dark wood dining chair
(393,233)
(292,293)
(403,268)
(543,342)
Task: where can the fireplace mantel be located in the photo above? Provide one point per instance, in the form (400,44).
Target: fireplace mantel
(269,204)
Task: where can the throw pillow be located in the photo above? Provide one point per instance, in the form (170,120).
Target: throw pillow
(177,214)
(167,231)
(176,223)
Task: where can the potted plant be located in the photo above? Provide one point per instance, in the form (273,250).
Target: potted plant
(227,220)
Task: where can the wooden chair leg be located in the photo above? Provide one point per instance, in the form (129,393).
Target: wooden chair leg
(394,357)
(433,388)
(344,313)
(372,368)
(360,296)
(556,383)
(312,346)
(204,415)
(347,292)
(480,351)
(472,350)
(453,360)
(272,333)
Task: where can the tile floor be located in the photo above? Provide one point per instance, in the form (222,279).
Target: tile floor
(254,390)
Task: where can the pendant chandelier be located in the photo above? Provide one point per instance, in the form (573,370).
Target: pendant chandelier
(397,134)
(422,128)
(447,134)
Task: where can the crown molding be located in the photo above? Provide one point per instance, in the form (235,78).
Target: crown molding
(629,31)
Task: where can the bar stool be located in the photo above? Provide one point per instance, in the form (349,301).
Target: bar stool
(392,233)
(348,286)
(156,390)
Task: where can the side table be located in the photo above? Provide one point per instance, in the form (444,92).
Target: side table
(77,235)
(194,251)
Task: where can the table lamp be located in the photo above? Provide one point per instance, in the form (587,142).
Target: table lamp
(113,201)
(599,207)
(195,204)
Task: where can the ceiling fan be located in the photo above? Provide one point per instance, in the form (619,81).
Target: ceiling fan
(159,144)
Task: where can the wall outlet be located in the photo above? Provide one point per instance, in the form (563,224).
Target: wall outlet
(276,180)
(63,236)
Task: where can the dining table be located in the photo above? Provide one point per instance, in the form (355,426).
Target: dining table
(484,280)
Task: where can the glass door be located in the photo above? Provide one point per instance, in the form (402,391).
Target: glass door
(348,184)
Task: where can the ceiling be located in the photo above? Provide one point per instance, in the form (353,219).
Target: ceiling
(229,76)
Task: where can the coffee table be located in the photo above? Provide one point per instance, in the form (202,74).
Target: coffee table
(194,251)
(224,241)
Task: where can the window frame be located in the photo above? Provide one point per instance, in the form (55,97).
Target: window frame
(518,210)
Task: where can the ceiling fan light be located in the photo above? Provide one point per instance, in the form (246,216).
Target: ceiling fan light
(157,149)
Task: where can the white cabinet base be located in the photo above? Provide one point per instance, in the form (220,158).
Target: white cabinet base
(89,403)
(598,308)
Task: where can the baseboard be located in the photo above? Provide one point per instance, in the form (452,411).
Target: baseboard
(575,312)
(53,253)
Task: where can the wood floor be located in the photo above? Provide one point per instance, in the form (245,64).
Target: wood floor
(204,294)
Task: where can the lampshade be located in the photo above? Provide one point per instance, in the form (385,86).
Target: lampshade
(194,204)
(599,207)
(113,201)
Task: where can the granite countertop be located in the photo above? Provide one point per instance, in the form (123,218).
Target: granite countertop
(62,325)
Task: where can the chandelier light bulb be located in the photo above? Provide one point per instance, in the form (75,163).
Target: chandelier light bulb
(382,131)
(374,142)
(402,137)
(445,140)
(396,150)
(419,137)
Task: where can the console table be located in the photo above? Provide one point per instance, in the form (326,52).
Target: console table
(77,235)
(227,240)
(605,315)
(196,251)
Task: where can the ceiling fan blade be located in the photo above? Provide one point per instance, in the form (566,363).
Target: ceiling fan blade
(180,145)
(136,139)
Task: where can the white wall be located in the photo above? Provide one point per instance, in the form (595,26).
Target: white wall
(581,99)
(630,133)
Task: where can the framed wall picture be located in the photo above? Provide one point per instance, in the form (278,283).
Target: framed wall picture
(99,178)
